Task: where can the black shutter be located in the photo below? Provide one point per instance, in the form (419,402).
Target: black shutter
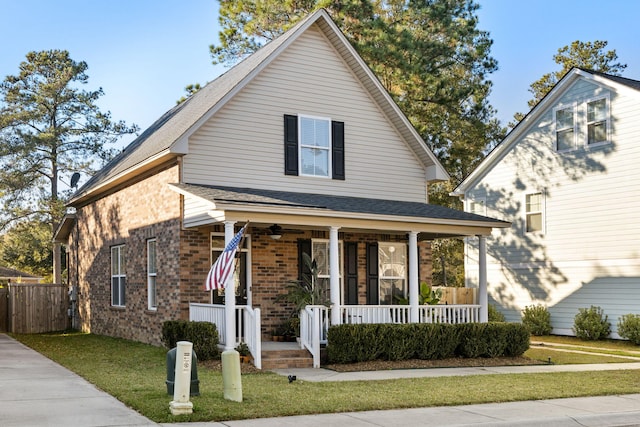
(290,145)
(337,149)
(304,246)
(351,263)
(372,274)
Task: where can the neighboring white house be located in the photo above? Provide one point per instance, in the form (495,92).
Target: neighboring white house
(567,178)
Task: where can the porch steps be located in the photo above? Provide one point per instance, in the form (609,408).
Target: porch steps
(281,355)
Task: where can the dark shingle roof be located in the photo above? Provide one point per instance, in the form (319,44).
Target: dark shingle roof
(12,272)
(359,205)
(633,84)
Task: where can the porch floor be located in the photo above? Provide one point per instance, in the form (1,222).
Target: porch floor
(284,355)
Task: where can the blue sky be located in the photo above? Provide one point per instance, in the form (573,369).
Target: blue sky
(144,52)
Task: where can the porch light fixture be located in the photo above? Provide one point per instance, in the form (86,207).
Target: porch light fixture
(276,232)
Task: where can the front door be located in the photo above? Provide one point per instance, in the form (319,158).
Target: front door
(241,279)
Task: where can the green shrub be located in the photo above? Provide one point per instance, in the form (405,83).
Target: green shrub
(629,327)
(495,315)
(203,335)
(357,343)
(518,339)
(537,320)
(436,340)
(591,324)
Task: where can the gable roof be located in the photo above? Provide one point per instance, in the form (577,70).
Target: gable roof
(168,136)
(12,273)
(423,215)
(615,82)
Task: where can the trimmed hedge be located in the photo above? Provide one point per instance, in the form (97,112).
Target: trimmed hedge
(428,341)
(203,335)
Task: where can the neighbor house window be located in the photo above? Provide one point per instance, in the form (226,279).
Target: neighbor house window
(534,218)
(565,128)
(321,256)
(118,276)
(315,146)
(478,207)
(392,272)
(597,121)
(151,274)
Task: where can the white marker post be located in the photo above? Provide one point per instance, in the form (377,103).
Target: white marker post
(182,386)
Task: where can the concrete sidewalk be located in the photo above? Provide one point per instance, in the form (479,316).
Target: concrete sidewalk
(34,391)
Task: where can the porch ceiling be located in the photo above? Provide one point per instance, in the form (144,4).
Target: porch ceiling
(304,210)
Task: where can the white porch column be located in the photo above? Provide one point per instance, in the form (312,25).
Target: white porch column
(413,277)
(482,279)
(334,275)
(229,296)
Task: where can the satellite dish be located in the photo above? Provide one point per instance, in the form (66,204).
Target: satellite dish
(74,179)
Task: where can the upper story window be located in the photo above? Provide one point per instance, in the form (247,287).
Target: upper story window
(597,121)
(313,146)
(565,128)
(118,276)
(534,212)
(478,207)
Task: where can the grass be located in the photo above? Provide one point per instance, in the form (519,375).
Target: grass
(135,374)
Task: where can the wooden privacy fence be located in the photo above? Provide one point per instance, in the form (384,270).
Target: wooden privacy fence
(455,296)
(35,308)
(4,309)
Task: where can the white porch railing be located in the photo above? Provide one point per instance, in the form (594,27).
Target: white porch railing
(247,326)
(401,314)
(314,324)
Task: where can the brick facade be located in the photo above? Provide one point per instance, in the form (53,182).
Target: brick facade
(148,209)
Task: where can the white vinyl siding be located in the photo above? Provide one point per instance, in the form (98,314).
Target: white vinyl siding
(477,206)
(152,272)
(588,254)
(118,276)
(242,145)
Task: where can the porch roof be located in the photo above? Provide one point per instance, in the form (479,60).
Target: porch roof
(306,209)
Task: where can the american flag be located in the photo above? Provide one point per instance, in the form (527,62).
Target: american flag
(223,267)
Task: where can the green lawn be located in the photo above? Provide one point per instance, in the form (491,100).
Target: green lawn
(135,374)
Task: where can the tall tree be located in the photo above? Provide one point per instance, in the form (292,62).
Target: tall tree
(49,129)
(430,56)
(587,55)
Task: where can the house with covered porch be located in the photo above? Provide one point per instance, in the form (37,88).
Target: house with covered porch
(301,140)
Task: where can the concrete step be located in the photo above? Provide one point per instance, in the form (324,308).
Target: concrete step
(286,358)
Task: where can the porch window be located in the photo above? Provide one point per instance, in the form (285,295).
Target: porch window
(565,128)
(534,217)
(392,263)
(151,274)
(118,276)
(315,146)
(597,121)
(320,254)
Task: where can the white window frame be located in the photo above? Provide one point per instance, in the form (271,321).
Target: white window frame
(327,276)
(607,120)
(477,206)
(152,273)
(118,274)
(574,109)
(381,271)
(302,146)
(540,212)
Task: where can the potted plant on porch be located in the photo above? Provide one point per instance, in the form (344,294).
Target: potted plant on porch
(301,293)
(243,351)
